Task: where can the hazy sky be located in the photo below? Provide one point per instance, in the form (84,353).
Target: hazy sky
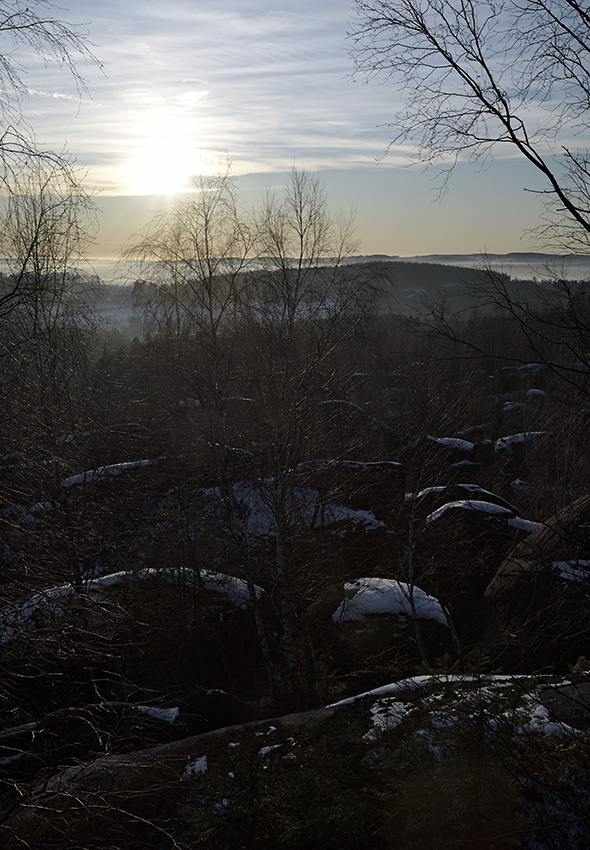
(190,82)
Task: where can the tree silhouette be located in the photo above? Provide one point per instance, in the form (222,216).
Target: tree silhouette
(477,78)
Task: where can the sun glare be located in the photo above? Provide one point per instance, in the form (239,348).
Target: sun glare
(164,162)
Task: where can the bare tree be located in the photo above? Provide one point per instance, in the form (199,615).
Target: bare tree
(45,224)
(26,27)
(477,77)
(302,307)
(46,328)
(258,311)
(45,214)
(46,220)
(189,266)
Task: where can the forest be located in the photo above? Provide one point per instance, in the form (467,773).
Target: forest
(299,557)
(286,513)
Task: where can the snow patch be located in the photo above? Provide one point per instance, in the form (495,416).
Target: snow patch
(488,508)
(264,751)
(453,443)
(474,491)
(386,596)
(521,486)
(525,438)
(574,571)
(102,472)
(540,722)
(168,715)
(528,368)
(413,683)
(525,525)
(255,512)
(22,616)
(426,492)
(386,715)
(195,767)
(6,760)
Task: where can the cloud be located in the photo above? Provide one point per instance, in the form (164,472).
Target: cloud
(55,95)
(267,82)
(264,81)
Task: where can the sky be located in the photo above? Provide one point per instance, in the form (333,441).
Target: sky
(187,84)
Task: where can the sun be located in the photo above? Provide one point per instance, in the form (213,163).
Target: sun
(161,166)
(163,160)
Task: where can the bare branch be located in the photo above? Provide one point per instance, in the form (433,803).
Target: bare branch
(476,77)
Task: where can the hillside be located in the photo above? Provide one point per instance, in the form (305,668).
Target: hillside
(203,531)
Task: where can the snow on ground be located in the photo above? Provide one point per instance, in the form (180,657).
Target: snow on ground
(195,767)
(535,717)
(234,589)
(521,486)
(5,761)
(353,465)
(265,751)
(526,525)
(30,516)
(527,368)
(500,701)
(23,615)
(489,509)
(386,596)
(64,439)
(474,490)
(426,492)
(386,716)
(413,683)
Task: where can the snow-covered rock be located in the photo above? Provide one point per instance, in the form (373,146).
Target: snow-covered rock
(526,439)
(453,443)
(257,510)
(102,472)
(370,596)
(55,601)
(487,508)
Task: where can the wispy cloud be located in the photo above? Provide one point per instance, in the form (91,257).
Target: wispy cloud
(267,82)
(262,81)
(53,94)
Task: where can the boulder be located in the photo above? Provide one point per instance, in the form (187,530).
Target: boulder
(122,796)
(536,609)
(70,734)
(421,504)
(454,757)
(369,486)
(458,549)
(569,704)
(366,629)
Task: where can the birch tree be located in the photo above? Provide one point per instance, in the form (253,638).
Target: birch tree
(475,79)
